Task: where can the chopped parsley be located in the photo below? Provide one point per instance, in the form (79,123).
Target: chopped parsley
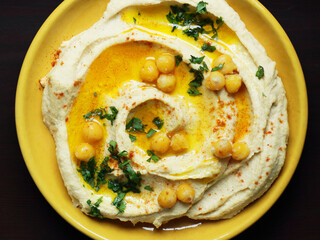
(193,22)
(158,122)
(132,138)
(95,94)
(207,47)
(87,170)
(94,210)
(260,72)
(196,60)
(178,59)
(193,91)
(195,83)
(219,67)
(133,179)
(263,94)
(102,113)
(134,20)
(201,8)
(153,156)
(135,125)
(119,203)
(204,67)
(101,173)
(148,188)
(151,132)
(124,153)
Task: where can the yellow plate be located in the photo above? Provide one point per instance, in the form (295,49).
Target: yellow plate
(37,146)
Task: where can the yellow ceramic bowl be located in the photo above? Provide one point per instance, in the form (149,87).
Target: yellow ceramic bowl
(37,145)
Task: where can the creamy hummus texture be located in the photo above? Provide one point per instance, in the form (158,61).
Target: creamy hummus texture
(166,109)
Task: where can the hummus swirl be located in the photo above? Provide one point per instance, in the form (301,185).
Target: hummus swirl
(129,34)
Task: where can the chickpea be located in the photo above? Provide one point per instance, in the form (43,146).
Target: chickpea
(84,151)
(149,72)
(240,151)
(185,193)
(92,132)
(222,148)
(179,142)
(166,63)
(226,61)
(215,81)
(167,198)
(166,83)
(160,143)
(233,83)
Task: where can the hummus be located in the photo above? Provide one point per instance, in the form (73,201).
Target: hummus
(166,109)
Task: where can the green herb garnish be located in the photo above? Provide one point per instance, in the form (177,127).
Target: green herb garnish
(132,138)
(219,67)
(87,170)
(153,156)
(101,173)
(135,125)
(196,60)
(192,91)
(178,59)
(158,122)
(151,132)
(260,72)
(207,47)
(192,21)
(95,94)
(94,210)
(196,82)
(134,20)
(148,188)
(102,113)
(201,7)
(133,179)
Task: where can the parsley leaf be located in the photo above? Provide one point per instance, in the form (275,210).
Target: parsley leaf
(193,22)
(196,60)
(151,132)
(220,22)
(101,173)
(112,116)
(119,203)
(158,122)
(195,83)
(124,153)
(112,146)
(132,138)
(201,7)
(148,188)
(133,178)
(193,32)
(135,125)
(204,67)
(260,72)
(134,20)
(102,113)
(153,156)
(219,67)
(207,47)
(95,94)
(192,91)
(178,59)
(87,171)
(94,210)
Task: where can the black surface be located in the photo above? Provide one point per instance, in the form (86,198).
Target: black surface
(25,214)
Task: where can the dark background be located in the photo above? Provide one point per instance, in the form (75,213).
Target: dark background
(25,214)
